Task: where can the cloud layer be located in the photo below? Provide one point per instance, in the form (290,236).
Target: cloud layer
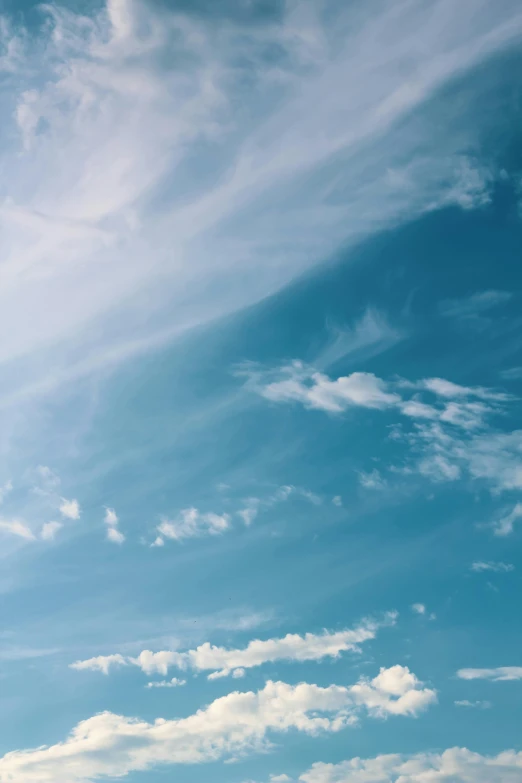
(107,222)
(112,745)
(455,765)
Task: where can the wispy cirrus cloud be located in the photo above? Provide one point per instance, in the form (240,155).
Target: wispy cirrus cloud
(479,566)
(88,224)
(475,305)
(113,745)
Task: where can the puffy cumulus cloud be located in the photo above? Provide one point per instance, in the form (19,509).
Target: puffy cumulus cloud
(17,528)
(394,691)
(418,608)
(49,530)
(111,518)
(109,745)
(455,765)
(298,383)
(221,661)
(191,523)
(101,663)
(70,509)
(158,662)
(480,566)
(115,535)
(501,673)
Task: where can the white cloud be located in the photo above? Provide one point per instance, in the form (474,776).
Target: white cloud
(222,662)
(480,705)
(49,530)
(371,480)
(497,675)
(315,390)
(505,526)
(70,509)
(498,567)
(455,765)
(79,226)
(5,490)
(115,535)
(450,437)
(474,305)
(173,683)
(418,608)
(158,662)
(17,528)
(111,518)
(250,512)
(337,500)
(48,477)
(101,663)
(191,523)
(109,745)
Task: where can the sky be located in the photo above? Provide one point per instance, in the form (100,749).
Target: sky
(260,391)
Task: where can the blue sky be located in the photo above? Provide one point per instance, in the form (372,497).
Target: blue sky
(261,464)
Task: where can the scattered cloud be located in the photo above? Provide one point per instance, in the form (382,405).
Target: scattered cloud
(191,523)
(249,513)
(337,500)
(173,683)
(109,745)
(17,528)
(455,765)
(111,518)
(115,535)
(101,663)
(506,525)
(371,480)
(70,509)
(512,373)
(479,705)
(298,383)
(479,566)
(49,530)
(222,662)
(474,305)
(48,477)
(499,674)
(5,490)
(418,608)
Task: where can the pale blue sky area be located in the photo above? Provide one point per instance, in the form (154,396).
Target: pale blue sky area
(261,463)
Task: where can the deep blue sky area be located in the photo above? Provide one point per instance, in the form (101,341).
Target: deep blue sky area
(260,392)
